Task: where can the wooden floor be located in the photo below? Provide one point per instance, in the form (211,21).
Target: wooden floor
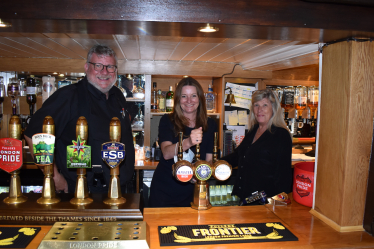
(311,232)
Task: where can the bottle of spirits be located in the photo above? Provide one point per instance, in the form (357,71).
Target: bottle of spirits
(154,99)
(48,87)
(161,101)
(211,99)
(13,92)
(170,100)
(31,94)
(22,87)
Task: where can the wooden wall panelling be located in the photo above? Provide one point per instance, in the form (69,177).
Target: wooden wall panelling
(306,73)
(346,121)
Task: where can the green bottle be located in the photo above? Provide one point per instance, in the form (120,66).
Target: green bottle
(170,100)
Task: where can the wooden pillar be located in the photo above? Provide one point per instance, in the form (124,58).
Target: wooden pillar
(346,131)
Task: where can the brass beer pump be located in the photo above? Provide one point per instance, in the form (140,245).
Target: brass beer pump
(15,192)
(49,192)
(202,172)
(182,169)
(81,187)
(114,193)
(222,170)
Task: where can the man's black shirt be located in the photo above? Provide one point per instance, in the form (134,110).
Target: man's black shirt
(65,106)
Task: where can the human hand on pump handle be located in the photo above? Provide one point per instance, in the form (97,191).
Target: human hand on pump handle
(196,136)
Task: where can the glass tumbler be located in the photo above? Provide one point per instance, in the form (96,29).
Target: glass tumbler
(212,194)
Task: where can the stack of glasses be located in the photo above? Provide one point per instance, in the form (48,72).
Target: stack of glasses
(220,195)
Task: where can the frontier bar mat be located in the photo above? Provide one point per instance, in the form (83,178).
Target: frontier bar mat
(17,237)
(224,234)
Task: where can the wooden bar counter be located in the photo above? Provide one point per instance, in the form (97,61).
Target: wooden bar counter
(312,232)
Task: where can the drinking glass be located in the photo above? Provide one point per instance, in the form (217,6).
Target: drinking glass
(229,197)
(218,196)
(224,195)
(212,194)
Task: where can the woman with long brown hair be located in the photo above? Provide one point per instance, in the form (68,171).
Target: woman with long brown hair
(190,117)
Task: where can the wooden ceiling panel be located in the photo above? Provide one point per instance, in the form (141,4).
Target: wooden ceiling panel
(205,46)
(257,51)
(186,46)
(165,47)
(129,45)
(19,49)
(231,55)
(226,45)
(51,47)
(7,53)
(304,60)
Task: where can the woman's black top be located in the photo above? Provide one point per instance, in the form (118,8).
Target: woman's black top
(264,165)
(166,191)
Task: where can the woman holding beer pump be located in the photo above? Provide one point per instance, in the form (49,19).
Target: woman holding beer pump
(264,156)
(190,117)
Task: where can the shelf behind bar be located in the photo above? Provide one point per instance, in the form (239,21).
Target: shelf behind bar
(134,100)
(163,113)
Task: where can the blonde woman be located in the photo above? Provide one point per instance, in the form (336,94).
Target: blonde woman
(264,156)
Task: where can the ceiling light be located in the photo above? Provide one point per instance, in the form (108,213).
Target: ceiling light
(4,24)
(61,75)
(208,28)
(55,73)
(186,76)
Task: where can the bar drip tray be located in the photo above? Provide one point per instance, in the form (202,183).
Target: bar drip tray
(123,234)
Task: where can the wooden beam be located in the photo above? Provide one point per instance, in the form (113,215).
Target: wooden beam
(271,19)
(291,13)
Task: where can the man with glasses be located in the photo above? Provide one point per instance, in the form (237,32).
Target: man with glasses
(97,99)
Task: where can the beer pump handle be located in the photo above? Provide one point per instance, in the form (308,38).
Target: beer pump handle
(15,127)
(49,125)
(197,152)
(215,147)
(180,148)
(115,130)
(81,129)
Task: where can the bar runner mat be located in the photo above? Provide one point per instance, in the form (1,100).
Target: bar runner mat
(224,234)
(17,237)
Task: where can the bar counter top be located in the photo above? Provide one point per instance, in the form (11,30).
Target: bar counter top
(311,232)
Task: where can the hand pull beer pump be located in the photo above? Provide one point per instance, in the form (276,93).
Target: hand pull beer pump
(113,153)
(182,169)
(49,192)
(13,165)
(81,188)
(221,170)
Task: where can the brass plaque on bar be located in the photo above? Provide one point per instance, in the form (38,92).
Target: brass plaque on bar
(32,213)
(127,234)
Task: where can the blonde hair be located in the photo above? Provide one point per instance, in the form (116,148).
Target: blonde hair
(277,117)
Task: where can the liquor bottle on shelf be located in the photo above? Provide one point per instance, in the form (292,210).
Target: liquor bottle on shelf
(313,93)
(161,101)
(170,100)
(288,103)
(301,95)
(13,92)
(2,95)
(31,94)
(22,87)
(48,87)
(211,100)
(154,99)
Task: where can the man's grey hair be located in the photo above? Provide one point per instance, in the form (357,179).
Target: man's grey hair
(102,50)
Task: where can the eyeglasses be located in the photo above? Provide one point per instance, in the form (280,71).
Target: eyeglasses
(98,67)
